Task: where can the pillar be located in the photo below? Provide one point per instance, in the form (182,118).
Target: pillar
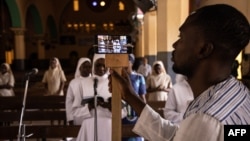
(150,36)
(19,46)
(170,15)
(41,56)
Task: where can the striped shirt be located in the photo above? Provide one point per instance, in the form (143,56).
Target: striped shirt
(228,102)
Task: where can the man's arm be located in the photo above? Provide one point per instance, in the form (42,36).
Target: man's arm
(127,90)
(156,128)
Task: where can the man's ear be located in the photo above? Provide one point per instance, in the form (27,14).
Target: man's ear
(206,50)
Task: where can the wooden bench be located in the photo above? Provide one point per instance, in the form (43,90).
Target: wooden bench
(45,108)
(32,102)
(55,131)
(37,108)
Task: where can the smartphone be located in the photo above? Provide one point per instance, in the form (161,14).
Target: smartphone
(113,44)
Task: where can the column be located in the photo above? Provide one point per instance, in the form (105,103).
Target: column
(139,52)
(150,36)
(170,15)
(40,46)
(41,56)
(19,46)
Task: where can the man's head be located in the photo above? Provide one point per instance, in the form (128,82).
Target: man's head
(144,60)
(131,59)
(216,33)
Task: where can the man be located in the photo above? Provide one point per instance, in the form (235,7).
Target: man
(145,69)
(210,39)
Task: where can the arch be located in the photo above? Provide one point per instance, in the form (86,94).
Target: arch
(14,13)
(118,19)
(51,27)
(36,19)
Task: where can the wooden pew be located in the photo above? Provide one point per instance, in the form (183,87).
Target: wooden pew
(46,108)
(37,108)
(32,102)
(53,131)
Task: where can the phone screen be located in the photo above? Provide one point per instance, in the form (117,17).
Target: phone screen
(114,44)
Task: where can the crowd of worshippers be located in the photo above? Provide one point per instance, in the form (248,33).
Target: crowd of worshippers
(192,99)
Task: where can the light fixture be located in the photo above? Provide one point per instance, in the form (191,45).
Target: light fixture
(102,3)
(9,55)
(121,6)
(94,3)
(76,5)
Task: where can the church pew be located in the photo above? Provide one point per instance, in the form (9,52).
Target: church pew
(46,108)
(52,131)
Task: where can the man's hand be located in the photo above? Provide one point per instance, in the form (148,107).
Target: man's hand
(123,80)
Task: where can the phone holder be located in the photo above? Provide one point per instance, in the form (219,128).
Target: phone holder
(113,49)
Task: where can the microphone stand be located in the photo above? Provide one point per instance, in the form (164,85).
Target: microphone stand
(21,131)
(95,104)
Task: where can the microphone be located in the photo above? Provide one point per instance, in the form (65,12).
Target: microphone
(34,71)
(92,99)
(95,82)
(95,91)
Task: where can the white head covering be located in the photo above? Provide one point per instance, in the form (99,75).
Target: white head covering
(8,68)
(162,66)
(97,56)
(58,64)
(80,61)
(57,68)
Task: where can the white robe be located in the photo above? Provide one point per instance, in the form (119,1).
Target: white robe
(7,78)
(196,127)
(81,112)
(163,81)
(178,100)
(54,78)
(75,88)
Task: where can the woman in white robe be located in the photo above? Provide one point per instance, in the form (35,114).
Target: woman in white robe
(54,78)
(87,111)
(158,83)
(83,71)
(7,80)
